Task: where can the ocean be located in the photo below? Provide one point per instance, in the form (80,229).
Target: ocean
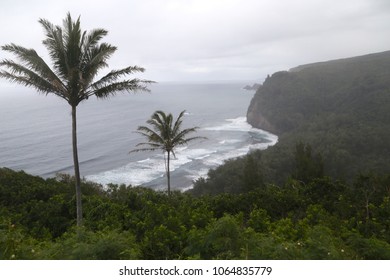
(35,133)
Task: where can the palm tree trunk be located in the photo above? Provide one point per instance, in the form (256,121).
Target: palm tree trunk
(76,169)
(169,174)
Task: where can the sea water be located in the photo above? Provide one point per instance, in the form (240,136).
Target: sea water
(35,133)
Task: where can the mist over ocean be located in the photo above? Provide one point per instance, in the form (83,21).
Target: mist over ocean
(35,133)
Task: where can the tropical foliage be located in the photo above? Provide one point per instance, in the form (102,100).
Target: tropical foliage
(77,57)
(319,219)
(166,135)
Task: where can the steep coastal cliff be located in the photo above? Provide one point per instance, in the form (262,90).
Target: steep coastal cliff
(341,108)
(290,99)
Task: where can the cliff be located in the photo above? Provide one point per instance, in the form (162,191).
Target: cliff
(341,108)
(289,99)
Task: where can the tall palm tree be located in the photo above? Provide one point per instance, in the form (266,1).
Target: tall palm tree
(77,56)
(165,135)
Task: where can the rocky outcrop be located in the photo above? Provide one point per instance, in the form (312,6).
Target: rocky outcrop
(256,119)
(254,87)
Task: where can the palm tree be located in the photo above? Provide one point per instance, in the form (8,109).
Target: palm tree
(166,136)
(77,58)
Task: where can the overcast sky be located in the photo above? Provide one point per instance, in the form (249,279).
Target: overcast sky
(211,40)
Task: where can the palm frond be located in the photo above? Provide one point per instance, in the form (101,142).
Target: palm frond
(148,146)
(93,61)
(111,89)
(177,125)
(32,81)
(151,135)
(25,76)
(94,56)
(94,36)
(114,75)
(142,150)
(30,59)
(72,38)
(159,122)
(187,140)
(55,45)
(180,138)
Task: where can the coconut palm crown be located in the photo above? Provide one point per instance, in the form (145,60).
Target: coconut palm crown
(165,134)
(77,57)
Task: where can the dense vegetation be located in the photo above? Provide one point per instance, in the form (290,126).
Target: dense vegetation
(323,192)
(341,108)
(319,219)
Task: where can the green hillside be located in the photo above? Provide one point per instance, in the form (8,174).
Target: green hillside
(340,108)
(322,220)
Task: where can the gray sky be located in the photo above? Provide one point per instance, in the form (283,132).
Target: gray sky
(211,40)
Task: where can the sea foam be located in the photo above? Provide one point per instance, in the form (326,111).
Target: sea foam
(235,138)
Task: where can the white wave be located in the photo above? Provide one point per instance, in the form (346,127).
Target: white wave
(134,173)
(149,169)
(237,124)
(267,139)
(240,124)
(197,153)
(219,158)
(229,141)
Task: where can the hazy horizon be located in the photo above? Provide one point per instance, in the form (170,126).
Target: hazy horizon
(195,41)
